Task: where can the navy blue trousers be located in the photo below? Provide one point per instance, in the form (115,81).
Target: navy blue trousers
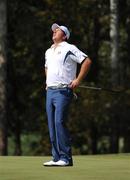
(57,105)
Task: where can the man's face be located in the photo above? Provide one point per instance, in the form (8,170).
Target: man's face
(58,35)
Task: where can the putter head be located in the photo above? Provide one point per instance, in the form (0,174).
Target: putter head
(75,96)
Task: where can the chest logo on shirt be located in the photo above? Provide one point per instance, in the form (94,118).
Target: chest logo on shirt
(59,52)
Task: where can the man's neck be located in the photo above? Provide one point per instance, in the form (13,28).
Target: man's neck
(57,42)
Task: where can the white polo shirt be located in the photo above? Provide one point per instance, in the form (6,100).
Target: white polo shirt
(61,63)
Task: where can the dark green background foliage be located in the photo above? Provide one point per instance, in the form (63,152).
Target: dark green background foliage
(98,121)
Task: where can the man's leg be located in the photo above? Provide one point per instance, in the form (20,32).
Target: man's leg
(62,102)
(51,123)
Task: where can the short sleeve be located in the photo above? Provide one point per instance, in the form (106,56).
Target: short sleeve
(77,55)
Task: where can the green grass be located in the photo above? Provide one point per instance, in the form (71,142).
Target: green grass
(98,167)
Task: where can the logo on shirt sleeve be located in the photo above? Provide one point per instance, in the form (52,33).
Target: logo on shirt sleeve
(67,54)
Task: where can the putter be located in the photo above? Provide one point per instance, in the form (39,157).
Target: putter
(101,89)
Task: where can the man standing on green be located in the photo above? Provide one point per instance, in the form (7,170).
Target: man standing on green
(60,67)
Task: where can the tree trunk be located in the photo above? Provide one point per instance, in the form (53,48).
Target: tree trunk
(127,140)
(127,66)
(17,138)
(114,42)
(94,136)
(3,80)
(114,136)
(14,105)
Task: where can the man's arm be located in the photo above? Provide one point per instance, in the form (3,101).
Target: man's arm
(85,66)
(46,75)
(45,71)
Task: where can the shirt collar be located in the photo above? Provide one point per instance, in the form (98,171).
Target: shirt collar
(60,44)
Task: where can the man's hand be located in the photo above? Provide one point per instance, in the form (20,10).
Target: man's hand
(83,72)
(75,83)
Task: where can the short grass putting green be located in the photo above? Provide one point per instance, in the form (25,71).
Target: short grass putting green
(96,167)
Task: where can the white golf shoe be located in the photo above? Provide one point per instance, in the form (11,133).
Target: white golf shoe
(61,163)
(49,163)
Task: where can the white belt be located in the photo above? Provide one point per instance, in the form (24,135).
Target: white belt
(59,86)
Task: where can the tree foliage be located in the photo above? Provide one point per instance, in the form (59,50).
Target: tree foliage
(96,116)
(3,79)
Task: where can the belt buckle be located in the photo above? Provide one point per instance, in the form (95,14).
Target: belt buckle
(62,85)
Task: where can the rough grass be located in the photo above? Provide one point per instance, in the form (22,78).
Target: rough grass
(97,167)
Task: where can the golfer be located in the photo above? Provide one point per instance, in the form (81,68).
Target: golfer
(60,67)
